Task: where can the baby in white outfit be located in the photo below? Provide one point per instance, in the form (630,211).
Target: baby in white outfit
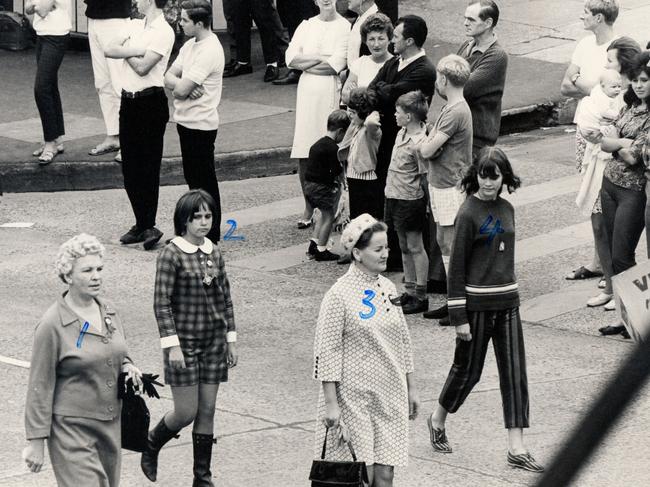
(602,106)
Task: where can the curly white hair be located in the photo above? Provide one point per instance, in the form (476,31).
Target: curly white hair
(78,246)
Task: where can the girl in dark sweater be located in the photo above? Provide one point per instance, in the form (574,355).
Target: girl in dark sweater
(483,303)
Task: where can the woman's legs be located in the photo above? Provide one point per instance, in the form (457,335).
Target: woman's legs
(204,422)
(49,56)
(186,400)
(382,475)
(603,249)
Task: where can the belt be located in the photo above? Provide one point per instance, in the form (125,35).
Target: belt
(146,92)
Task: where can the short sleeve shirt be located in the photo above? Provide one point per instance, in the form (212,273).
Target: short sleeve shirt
(447,168)
(403,181)
(158,37)
(203,63)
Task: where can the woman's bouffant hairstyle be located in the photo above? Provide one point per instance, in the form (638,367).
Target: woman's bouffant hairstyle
(78,246)
(187,205)
(486,163)
(366,236)
(376,23)
(363,101)
(639,65)
(415,103)
(626,51)
(608,9)
(198,11)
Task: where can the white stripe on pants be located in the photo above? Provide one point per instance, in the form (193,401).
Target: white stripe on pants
(107,72)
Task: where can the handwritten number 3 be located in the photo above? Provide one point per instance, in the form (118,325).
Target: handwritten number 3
(229,234)
(370,294)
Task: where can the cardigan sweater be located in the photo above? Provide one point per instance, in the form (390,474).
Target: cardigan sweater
(484,90)
(482,264)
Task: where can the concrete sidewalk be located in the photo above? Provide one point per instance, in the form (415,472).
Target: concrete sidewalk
(257,118)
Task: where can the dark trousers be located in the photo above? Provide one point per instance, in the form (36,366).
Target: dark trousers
(267,20)
(229,7)
(623,213)
(49,55)
(197,149)
(142,127)
(504,328)
(366,197)
(292,12)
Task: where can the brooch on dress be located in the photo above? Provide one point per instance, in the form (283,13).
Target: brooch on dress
(208,272)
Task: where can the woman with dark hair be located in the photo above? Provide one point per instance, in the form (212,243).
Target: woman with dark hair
(197,332)
(358,151)
(587,63)
(376,33)
(483,302)
(196,79)
(623,192)
(363,358)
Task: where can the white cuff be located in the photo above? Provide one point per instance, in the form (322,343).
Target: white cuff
(170,341)
(231,337)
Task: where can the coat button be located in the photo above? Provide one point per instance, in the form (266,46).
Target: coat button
(110,408)
(109,383)
(104,340)
(109,362)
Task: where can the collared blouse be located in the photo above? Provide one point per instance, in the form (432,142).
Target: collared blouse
(632,123)
(74,373)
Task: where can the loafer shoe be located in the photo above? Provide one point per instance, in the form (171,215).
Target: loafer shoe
(291,78)
(134,235)
(238,70)
(402,299)
(150,238)
(525,461)
(271,74)
(599,300)
(438,438)
(415,305)
(325,256)
(436,314)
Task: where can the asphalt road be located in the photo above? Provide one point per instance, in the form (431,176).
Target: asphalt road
(265,417)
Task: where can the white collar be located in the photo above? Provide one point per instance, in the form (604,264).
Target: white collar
(405,62)
(190,248)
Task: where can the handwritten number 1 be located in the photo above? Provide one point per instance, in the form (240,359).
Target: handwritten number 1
(367,302)
(491,232)
(229,234)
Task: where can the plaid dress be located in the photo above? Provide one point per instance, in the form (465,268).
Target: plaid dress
(192,302)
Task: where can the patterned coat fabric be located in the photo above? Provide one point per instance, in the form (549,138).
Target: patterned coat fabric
(368,355)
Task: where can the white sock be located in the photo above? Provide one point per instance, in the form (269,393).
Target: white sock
(445,262)
(275,65)
(321,248)
(315,240)
(243,64)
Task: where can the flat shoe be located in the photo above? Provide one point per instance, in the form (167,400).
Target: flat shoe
(524,461)
(611,330)
(610,306)
(582,273)
(438,438)
(101,150)
(59,150)
(46,157)
(599,300)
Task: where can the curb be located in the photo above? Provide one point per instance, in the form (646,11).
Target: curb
(24,177)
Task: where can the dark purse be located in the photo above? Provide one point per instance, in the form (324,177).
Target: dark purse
(326,473)
(135,413)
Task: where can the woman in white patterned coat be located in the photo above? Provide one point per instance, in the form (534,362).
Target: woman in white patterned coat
(363,358)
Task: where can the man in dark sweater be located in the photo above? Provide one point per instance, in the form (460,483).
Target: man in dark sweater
(488,63)
(106,19)
(409,70)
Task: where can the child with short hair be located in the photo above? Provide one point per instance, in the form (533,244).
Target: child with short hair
(405,207)
(448,149)
(323,185)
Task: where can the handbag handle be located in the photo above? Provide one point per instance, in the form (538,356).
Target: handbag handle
(322,455)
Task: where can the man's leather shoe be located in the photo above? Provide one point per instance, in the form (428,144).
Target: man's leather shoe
(230,65)
(415,305)
(238,70)
(271,74)
(291,78)
(150,238)
(612,330)
(134,235)
(437,314)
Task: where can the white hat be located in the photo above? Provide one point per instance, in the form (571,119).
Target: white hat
(353,231)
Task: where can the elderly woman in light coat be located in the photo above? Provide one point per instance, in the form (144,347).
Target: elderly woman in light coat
(79,352)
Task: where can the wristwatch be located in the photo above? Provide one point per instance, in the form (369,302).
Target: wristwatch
(574,78)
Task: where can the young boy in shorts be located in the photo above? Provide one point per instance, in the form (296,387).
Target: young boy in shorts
(405,207)
(448,149)
(322,183)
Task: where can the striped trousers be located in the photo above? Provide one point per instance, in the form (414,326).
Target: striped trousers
(504,328)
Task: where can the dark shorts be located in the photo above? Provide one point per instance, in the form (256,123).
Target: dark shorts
(205,363)
(406,215)
(322,196)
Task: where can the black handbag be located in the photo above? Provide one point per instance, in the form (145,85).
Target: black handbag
(326,473)
(135,413)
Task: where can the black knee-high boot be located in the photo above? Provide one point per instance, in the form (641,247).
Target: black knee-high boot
(158,436)
(202,458)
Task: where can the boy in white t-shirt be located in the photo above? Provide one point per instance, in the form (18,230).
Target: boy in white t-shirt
(196,79)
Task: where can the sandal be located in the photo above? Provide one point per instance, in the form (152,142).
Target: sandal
(59,150)
(582,273)
(101,150)
(46,157)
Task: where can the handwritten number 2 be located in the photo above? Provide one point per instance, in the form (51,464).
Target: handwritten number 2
(370,294)
(491,232)
(229,234)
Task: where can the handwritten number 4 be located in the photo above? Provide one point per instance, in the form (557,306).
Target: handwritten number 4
(229,234)
(370,294)
(491,233)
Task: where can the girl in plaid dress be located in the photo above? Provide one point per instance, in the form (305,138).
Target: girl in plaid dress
(197,329)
